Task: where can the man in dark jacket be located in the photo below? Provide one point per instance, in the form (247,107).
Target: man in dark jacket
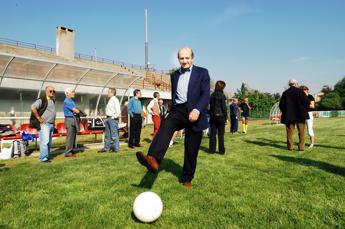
(190,88)
(294,107)
(218,117)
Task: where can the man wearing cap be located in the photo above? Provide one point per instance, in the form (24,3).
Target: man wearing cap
(72,125)
(294,107)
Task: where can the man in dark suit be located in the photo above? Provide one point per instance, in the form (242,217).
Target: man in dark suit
(190,88)
(294,107)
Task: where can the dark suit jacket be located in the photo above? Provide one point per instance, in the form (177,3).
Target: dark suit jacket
(294,105)
(198,94)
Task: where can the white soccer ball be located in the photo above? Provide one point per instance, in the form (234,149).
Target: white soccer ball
(147,207)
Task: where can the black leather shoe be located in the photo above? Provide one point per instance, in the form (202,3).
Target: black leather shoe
(132,147)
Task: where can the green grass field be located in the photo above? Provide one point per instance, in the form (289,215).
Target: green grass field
(256,184)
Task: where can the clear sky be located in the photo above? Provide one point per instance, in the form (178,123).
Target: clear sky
(262,43)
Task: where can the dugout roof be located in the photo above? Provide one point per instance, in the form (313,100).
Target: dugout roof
(26,72)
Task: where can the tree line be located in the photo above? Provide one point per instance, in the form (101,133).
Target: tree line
(260,101)
(333,99)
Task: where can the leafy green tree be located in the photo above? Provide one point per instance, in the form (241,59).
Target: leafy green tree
(242,93)
(339,88)
(261,102)
(331,101)
(173,70)
(212,84)
(325,89)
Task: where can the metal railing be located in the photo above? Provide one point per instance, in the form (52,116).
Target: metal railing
(152,74)
(26,45)
(80,56)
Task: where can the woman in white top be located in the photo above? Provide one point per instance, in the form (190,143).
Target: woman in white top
(310,121)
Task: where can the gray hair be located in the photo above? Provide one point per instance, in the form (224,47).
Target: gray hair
(293,82)
(68,90)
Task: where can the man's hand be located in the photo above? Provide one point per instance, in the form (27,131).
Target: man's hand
(41,120)
(193,116)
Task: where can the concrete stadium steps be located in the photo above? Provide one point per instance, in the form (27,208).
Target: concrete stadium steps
(152,81)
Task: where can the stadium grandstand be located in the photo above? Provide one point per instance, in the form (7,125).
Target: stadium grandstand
(26,69)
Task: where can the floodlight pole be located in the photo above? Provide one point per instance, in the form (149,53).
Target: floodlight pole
(146,44)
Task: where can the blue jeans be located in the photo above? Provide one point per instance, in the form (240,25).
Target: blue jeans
(45,135)
(111,140)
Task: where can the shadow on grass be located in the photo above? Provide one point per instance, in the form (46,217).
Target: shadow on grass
(318,164)
(138,221)
(147,140)
(207,150)
(61,150)
(204,149)
(3,169)
(135,218)
(329,147)
(267,142)
(149,178)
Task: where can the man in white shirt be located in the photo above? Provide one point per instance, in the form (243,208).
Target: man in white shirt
(113,113)
(153,109)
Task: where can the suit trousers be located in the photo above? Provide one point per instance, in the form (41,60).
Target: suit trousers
(177,120)
(290,127)
(135,130)
(217,124)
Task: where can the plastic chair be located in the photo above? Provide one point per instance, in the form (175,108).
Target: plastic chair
(25,127)
(82,129)
(61,129)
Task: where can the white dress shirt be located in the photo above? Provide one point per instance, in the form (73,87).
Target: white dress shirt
(153,102)
(113,108)
(182,86)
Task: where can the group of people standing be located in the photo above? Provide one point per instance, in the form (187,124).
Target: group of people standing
(190,87)
(43,115)
(296,105)
(219,116)
(136,114)
(244,110)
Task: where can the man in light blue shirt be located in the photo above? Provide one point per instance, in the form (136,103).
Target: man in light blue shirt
(134,111)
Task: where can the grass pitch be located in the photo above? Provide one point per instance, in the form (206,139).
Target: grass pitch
(256,184)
